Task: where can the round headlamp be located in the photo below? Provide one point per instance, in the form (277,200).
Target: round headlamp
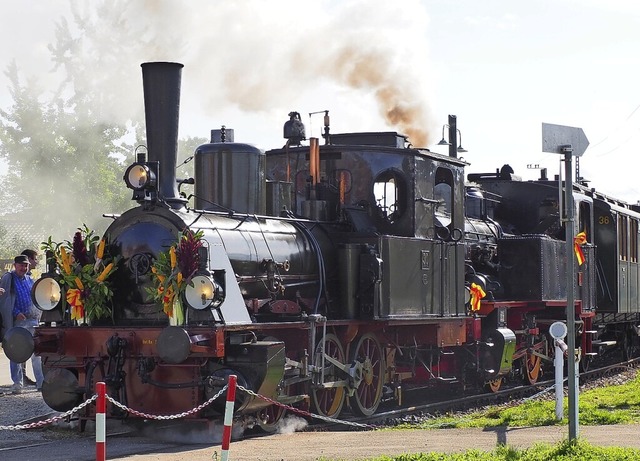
(139,177)
(201,292)
(46,293)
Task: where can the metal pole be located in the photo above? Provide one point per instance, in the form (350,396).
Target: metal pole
(228,417)
(453,136)
(101,422)
(558,361)
(572,364)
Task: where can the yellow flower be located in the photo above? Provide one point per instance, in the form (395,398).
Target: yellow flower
(66,264)
(79,284)
(105,273)
(100,250)
(172,253)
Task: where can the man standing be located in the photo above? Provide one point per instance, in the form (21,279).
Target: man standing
(18,310)
(33,263)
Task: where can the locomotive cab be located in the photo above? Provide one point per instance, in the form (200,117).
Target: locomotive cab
(391,203)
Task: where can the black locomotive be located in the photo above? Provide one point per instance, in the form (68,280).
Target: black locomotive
(330,276)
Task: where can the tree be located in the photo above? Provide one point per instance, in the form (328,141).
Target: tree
(12,243)
(62,160)
(67,149)
(66,152)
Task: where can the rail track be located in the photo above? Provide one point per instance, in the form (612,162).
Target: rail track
(513,393)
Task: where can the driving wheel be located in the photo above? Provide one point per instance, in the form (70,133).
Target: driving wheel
(369,360)
(328,401)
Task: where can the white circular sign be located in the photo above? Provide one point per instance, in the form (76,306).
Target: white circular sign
(558,330)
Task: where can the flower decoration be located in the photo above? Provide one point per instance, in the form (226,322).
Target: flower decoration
(85,269)
(172,273)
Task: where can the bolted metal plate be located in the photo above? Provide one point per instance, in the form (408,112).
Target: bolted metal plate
(61,389)
(174,344)
(18,344)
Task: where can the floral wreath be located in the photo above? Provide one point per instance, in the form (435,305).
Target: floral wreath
(172,273)
(85,268)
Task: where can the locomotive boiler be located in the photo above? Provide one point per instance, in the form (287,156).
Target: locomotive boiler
(330,277)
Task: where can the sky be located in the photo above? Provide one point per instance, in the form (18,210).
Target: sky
(502,67)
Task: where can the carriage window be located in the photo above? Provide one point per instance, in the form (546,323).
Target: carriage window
(623,243)
(389,191)
(633,241)
(584,219)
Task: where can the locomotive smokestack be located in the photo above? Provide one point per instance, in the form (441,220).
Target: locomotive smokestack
(161,83)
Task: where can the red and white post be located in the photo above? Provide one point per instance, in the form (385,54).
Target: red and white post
(101,422)
(228,417)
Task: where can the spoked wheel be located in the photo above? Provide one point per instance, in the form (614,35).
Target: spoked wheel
(270,417)
(329,401)
(368,394)
(493,385)
(531,368)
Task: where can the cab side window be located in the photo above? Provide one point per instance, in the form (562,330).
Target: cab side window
(389,191)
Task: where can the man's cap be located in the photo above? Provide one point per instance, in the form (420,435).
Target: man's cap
(22,259)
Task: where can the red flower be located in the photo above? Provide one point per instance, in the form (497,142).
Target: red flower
(80,249)
(187,253)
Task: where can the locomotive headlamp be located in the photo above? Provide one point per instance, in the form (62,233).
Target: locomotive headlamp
(201,292)
(205,290)
(139,177)
(46,293)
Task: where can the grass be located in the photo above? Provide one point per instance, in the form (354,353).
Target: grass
(617,404)
(563,451)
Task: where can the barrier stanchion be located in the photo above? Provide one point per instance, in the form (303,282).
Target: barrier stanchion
(228,417)
(101,420)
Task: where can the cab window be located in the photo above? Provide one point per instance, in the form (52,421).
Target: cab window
(389,191)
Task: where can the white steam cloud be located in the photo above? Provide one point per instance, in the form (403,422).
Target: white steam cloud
(267,56)
(366,61)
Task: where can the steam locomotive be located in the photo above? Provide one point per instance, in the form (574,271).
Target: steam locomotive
(331,277)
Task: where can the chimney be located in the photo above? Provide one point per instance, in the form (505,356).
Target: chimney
(161,83)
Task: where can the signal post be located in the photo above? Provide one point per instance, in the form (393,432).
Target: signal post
(570,142)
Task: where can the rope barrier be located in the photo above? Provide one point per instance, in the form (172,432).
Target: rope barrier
(45,422)
(101,397)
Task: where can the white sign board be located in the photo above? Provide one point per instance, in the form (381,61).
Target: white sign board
(555,138)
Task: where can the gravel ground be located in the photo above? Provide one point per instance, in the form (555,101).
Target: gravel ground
(25,408)
(21,409)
